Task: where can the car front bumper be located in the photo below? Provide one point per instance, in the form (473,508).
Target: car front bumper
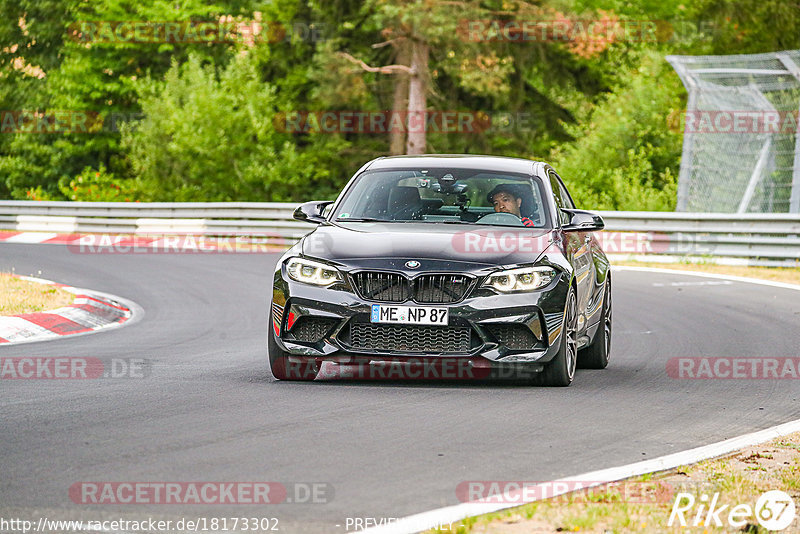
(333,324)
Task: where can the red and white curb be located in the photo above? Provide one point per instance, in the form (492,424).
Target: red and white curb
(87,243)
(89,312)
(36,237)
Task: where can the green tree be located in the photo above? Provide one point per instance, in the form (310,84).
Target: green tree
(432,56)
(747,26)
(82,74)
(627,156)
(597,108)
(210,136)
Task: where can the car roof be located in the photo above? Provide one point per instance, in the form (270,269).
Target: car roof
(461,161)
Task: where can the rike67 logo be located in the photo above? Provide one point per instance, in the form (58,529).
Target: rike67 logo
(774,510)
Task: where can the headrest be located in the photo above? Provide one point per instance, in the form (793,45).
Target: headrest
(402,196)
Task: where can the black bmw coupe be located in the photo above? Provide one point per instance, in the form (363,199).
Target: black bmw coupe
(479,260)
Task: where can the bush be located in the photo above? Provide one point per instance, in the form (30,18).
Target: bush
(627,158)
(210,136)
(98,185)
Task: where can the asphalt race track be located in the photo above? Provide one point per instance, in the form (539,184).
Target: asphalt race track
(211,411)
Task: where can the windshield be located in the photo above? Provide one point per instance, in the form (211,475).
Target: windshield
(463,196)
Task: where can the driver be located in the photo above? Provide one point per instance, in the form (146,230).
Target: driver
(506,199)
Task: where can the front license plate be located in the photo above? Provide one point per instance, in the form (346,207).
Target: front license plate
(408,314)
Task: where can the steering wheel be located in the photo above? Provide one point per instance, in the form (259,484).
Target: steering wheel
(501,218)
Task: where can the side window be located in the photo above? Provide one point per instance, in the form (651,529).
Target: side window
(561,197)
(565,196)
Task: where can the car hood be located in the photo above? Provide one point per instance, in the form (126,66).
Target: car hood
(434,245)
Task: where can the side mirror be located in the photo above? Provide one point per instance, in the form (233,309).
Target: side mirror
(312,211)
(583,221)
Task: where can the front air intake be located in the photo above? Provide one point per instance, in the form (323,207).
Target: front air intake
(512,335)
(383,286)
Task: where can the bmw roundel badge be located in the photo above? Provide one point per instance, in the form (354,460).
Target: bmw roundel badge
(412,264)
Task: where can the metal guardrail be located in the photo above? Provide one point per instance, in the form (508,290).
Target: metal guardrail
(758,236)
(774,237)
(271,221)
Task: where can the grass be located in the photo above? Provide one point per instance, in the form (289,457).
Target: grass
(20,296)
(740,478)
(611,509)
(789,275)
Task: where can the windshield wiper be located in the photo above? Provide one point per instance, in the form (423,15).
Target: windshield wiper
(435,221)
(360,219)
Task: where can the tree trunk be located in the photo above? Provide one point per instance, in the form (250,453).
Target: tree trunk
(417,98)
(397,136)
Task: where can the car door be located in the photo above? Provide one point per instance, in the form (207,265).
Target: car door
(579,245)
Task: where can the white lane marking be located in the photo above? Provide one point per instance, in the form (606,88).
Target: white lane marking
(455,513)
(757,281)
(681,284)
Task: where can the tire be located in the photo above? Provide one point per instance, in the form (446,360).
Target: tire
(280,366)
(596,355)
(561,370)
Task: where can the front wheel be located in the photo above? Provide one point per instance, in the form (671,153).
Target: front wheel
(282,368)
(561,370)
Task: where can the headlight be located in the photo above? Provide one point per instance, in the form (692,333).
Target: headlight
(313,272)
(521,279)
